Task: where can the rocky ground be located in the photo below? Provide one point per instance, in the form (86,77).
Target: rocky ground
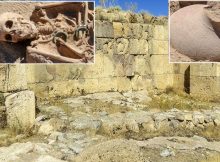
(117,127)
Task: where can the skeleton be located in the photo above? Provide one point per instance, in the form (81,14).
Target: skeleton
(15,28)
(56,28)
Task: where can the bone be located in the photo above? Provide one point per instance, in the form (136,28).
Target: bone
(55,57)
(75,50)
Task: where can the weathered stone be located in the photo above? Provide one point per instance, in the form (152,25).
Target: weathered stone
(100,29)
(16,78)
(118,29)
(158,47)
(160,32)
(46,128)
(198,118)
(48,158)
(113,150)
(124,84)
(3,117)
(3,76)
(105,45)
(138,46)
(132,125)
(217,122)
(38,74)
(86,123)
(122,46)
(20,109)
(114,125)
(129,65)
(142,65)
(160,65)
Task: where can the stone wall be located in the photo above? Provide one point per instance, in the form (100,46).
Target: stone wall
(131,54)
(17,104)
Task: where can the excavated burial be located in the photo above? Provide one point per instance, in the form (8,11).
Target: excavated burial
(193,34)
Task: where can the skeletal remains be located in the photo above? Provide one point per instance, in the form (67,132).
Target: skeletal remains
(59,32)
(196,33)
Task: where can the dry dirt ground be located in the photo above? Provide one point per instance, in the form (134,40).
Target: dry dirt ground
(118,127)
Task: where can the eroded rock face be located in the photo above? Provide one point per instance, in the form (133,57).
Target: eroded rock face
(14,28)
(20,110)
(192,34)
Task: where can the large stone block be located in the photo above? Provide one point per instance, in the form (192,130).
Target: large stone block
(141,83)
(20,110)
(205,87)
(158,47)
(160,65)
(142,65)
(181,68)
(3,76)
(163,81)
(38,74)
(119,61)
(122,46)
(61,89)
(129,65)
(179,82)
(105,45)
(104,29)
(138,46)
(107,84)
(86,86)
(205,70)
(108,66)
(124,84)
(160,32)
(146,31)
(60,72)
(118,30)
(16,78)
(132,30)
(94,70)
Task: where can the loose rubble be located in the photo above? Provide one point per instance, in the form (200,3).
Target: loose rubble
(76,130)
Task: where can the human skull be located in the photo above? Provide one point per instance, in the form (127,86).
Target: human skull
(14,28)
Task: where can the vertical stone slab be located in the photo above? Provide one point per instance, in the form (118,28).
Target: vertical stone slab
(20,110)
(3,74)
(16,78)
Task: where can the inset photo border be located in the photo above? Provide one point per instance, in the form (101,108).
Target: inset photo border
(47,32)
(194,31)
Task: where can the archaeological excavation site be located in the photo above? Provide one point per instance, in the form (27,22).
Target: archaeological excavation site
(194,31)
(58,32)
(131,105)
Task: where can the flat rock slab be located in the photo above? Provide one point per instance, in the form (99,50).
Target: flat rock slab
(20,110)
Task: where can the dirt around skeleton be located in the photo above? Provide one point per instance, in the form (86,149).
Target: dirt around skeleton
(57,33)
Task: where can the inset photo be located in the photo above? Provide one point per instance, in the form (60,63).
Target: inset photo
(194,31)
(47,32)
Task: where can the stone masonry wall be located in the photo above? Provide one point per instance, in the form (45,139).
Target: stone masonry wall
(129,56)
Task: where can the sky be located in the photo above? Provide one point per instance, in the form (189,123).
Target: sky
(155,7)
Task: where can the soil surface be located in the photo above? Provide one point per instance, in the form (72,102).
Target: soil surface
(119,127)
